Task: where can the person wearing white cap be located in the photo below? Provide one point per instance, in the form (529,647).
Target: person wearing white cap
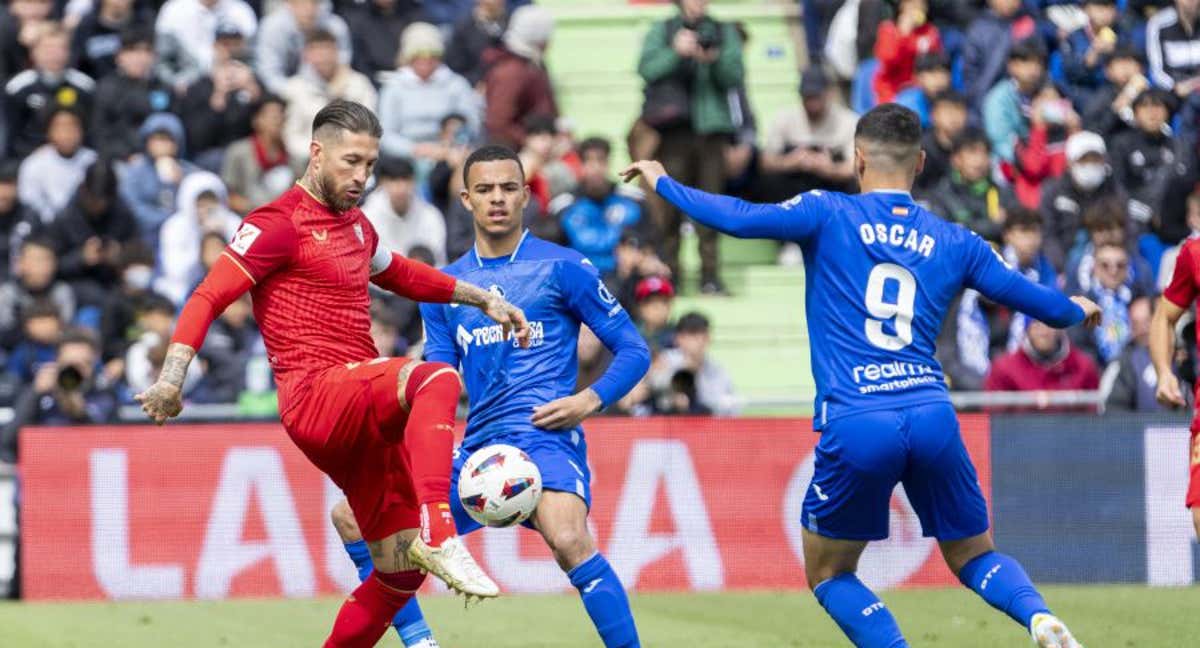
(1066,198)
(419,95)
(516,79)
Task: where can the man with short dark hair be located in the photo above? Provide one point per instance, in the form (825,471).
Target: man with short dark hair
(49,81)
(323,77)
(401,217)
(967,195)
(881,273)
(714,387)
(17,222)
(600,211)
(125,98)
(948,114)
(381,428)
(1109,110)
(932,72)
(68,391)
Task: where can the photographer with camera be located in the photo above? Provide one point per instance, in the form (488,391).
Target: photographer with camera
(690,63)
(67,391)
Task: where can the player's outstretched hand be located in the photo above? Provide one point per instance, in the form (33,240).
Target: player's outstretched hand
(648,170)
(1168,392)
(161,401)
(510,318)
(1091,312)
(567,412)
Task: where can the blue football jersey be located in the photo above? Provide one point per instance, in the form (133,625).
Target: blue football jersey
(880,273)
(558,289)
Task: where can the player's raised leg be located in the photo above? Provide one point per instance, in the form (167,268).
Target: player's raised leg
(409,622)
(430,391)
(561,518)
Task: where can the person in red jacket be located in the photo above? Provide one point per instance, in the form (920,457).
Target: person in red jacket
(516,83)
(897,46)
(1046,361)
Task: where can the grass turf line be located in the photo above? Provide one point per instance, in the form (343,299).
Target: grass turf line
(1101,616)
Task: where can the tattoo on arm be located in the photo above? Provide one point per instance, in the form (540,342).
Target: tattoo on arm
(175,366)
(470,294)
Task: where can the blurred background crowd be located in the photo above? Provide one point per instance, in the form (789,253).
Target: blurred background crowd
(136,133)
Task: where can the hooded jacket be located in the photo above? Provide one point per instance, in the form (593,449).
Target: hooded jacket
(516,87)
(152,198)
(179,239)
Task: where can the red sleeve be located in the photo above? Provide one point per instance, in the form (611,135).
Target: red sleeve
(1033,159)
(265,242)
(416,281)
(226,281)
(1182,290)
(890,46)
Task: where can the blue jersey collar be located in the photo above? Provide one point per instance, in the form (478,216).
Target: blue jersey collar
(512,257)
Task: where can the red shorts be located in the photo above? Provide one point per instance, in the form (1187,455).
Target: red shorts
(340,426)
(1193,491)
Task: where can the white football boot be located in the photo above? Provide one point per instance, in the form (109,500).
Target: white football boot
(427,642)
(1050,632)
(453,564)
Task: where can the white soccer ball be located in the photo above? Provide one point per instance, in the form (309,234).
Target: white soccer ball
(499,486)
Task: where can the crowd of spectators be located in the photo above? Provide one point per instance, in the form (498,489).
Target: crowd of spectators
(135,134)
(1066,134)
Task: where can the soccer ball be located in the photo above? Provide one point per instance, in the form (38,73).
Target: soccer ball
(499,486)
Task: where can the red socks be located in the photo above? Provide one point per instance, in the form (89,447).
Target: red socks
(368,611)
(432,394)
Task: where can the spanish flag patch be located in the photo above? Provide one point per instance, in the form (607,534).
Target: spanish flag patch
(899,211)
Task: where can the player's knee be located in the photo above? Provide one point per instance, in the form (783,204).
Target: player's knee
(433,376)
(1196,519)
(407,581)
(344,522)
(570,546)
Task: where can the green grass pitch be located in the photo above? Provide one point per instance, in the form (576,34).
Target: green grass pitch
(1102,617)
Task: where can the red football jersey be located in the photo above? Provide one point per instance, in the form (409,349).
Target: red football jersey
(1185,283)
(311,270)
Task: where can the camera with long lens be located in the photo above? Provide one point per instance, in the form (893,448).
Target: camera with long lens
(70,378)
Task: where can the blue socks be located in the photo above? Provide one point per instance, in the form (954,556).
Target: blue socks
(605,601)
(1002,582)
(408,622)
(859,613)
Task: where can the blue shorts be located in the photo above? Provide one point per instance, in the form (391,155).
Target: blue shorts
(862,457)
(561,457)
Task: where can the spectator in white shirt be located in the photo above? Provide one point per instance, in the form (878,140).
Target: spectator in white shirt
(48,178)
(280,42)
(186,30)
(403,219)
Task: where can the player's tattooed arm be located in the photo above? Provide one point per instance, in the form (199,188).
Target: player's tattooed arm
(164,399)
(511,318)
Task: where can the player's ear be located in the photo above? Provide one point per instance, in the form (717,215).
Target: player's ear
(314,150)
(920,163)
(860,162)
(465,197)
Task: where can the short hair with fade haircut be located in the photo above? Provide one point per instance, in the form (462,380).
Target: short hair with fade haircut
(490,153)
(345,116)
(1022,217)
(892,132)
(970,136)
(692,322)
(597,144)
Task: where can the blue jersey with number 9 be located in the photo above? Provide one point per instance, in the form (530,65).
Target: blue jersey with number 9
(880,274)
